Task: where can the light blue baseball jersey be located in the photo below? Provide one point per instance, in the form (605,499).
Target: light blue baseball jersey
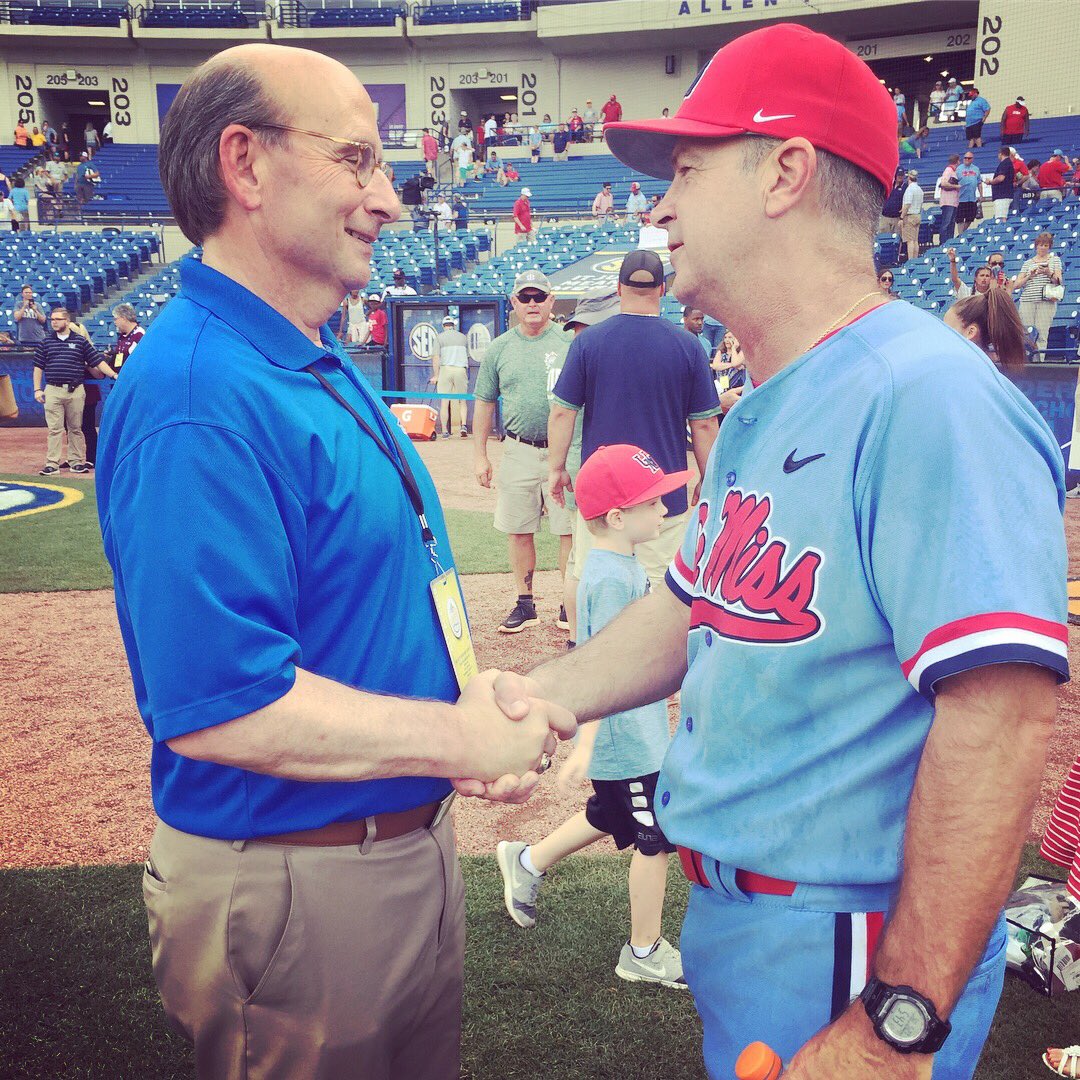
(883,513)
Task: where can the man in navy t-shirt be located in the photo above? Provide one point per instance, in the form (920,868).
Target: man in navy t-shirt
(640,379)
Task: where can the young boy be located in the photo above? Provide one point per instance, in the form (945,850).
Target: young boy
(618,493)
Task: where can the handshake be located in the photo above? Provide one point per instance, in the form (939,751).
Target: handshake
(509,736)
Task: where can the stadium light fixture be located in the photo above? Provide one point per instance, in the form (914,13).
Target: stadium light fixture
(102,103)
(508,97)
(928,59)
(944,74)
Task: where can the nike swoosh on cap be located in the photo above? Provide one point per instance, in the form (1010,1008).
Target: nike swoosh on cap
(761,118)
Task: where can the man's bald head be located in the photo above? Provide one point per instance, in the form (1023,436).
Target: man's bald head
(255,86)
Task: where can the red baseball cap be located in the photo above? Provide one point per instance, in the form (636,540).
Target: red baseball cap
(783,81)
(620,476)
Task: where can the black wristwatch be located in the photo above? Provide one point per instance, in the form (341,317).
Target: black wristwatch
(903,1018)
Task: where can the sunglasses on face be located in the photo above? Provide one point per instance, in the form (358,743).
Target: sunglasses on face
(532,296)
(886,279)
(995,265)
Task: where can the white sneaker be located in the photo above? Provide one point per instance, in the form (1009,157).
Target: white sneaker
(663,966)
(519,886)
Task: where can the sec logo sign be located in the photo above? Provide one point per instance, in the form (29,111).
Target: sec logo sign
(479,338)
(422,341)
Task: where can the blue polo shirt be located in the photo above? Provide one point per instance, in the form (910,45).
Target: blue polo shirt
(252,528)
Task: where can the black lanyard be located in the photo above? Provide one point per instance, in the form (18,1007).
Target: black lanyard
(397,459)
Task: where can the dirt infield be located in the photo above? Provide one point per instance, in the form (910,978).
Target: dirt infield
(74,754)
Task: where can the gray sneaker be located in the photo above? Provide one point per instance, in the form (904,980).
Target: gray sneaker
(663,965)
(519,886)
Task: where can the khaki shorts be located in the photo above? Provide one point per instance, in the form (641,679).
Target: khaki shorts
(522,492)
(655,556)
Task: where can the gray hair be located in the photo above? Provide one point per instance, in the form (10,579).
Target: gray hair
(849,194)
(126,311)
(213,97)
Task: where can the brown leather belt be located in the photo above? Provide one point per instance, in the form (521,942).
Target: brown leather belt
(347,833)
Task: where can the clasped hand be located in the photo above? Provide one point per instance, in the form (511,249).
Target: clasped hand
(510,727)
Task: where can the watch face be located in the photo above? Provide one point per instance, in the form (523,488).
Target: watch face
(905,1021)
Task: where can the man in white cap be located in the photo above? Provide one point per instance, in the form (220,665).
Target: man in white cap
(1015,123)
(636,203)
(523,215)
(450,374)
(401,286)
(859,745)
(911,207)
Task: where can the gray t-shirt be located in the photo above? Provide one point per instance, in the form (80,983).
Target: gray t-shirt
(631,743)
(452,348)
(30,329)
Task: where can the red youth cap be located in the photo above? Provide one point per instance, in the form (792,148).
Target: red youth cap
(783,81)
(621,476)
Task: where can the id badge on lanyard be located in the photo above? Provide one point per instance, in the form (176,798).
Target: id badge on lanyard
(445,588)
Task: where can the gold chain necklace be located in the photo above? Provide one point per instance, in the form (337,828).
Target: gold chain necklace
(843,318)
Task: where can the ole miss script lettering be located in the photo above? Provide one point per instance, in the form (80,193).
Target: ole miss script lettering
(749,589)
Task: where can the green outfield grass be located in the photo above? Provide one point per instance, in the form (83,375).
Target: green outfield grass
(59,550)
(78,998)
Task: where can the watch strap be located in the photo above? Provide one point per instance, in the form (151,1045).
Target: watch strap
(876,994)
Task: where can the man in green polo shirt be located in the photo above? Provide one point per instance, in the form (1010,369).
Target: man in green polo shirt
(522,366)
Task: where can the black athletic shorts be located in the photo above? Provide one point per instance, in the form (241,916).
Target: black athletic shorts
(974,131)
(966,211)
(624,808)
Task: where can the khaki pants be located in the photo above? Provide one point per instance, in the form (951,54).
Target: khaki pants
(282,961)
(1040,314)
(909,233)
(453,380)
(889,225)
(64,411)
(655,556)
(522,492)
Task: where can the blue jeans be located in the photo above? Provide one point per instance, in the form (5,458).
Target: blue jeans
(780,968)
(947,225)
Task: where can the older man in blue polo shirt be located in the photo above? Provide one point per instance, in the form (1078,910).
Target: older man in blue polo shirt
(277,549)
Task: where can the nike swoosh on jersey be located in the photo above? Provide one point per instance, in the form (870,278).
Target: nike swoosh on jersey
(761,118)
(793,464)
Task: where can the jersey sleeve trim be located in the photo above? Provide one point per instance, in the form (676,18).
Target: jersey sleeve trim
(994,638)
(566,404)
(673,584)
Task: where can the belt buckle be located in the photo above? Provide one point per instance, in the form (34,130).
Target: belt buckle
(444,809)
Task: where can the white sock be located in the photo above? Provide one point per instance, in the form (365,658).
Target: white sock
(525,860)
(642,953)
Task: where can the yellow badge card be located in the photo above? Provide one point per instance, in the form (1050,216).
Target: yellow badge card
(446,592)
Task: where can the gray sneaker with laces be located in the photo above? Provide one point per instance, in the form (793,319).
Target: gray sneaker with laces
(519,886)
(662,966)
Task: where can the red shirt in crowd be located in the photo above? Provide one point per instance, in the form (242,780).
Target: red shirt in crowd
(1021,167)
(1014,120)
(431,148)
(377,326)
(522,216)
(611,110)
(1052,174)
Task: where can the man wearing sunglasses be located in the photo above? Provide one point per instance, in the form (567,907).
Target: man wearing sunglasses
(522,366)
(305,904)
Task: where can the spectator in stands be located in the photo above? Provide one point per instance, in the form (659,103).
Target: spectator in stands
(977,111)
(510,173)
(1015,122)
(949,200)
(996,264)
(989,319)
(126,321)
(611,110)
(954,94)
(65,142)
(57,174)
(62,360)
(491,128)
(901,111)
(729,371)
(353,324)
(591,117)
(911,207)
(400,287)
(464,157)
(50,139)
(576,127)
(893,206)
(1029,186)
(376,320)
(91,139)
(547,128)
(20,199)
(461,213)
(1003,182)
(22,136)
(450,375)
(603,203)
(885,282)
(464,123)
(36,138)
(29,317)
(640,380)
(442,209)
(636,203)
(693,320)
(107,133)
(85,178)
(5,185)
(984,278)
(937,99)
(919,141)
(535,141)
(493,166)
(523,215)
(1052,176)
(48,196)
(970,178)
(1040,274)
(430,147)
(559,141)
(7,211)
(521,366)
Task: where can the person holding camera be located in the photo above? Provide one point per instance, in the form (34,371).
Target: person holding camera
(29,318)
(1040,286)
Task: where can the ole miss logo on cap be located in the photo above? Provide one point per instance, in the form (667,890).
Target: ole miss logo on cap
(753,591)
(647,461)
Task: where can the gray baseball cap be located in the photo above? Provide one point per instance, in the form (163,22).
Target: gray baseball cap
(594,309)
(531,279)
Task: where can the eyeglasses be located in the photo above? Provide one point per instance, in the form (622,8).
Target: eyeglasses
(886,278)
(366,163)
(1000,262)
(532,296)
